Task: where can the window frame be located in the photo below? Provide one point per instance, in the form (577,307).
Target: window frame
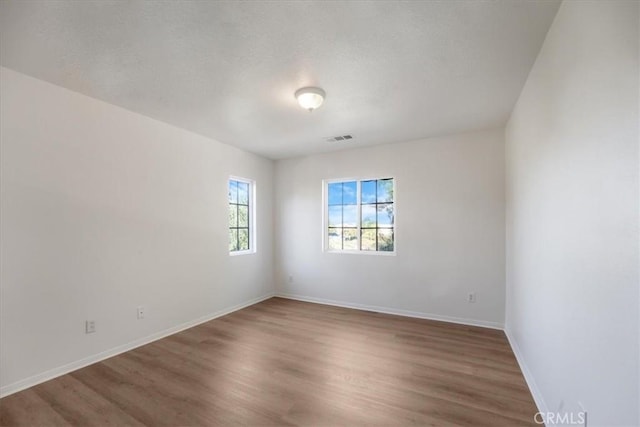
(251,217)
(325,215)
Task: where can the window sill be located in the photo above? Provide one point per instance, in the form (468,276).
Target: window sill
(376,253)
(236,253)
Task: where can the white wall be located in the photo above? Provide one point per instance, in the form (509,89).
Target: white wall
(450,229)
(104,210)
(573,212)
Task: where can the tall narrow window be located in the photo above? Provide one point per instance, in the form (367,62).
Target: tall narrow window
(377,215)
(360,215)
(343,216)
(240,216)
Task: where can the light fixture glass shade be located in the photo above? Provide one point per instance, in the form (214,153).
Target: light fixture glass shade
(310,98)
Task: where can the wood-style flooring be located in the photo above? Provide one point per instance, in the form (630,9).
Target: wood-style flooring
(284,362)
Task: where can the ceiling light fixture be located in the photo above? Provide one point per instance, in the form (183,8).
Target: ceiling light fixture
(310,98)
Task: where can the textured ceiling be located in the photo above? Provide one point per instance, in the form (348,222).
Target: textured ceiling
(393,71)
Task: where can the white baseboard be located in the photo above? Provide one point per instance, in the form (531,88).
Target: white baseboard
(398,312)
(528,376)
(65,369)
(73,366)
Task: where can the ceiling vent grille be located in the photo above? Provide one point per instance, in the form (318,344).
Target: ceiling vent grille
(341,138)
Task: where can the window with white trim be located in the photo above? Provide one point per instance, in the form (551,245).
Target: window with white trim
(359,215)
(241,216)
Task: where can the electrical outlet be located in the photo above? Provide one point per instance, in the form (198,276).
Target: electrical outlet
(89,326)
(140,312)
(471,297)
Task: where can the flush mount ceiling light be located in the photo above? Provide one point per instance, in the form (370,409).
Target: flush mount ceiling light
(310,98)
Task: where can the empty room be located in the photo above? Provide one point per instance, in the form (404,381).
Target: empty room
(320,213)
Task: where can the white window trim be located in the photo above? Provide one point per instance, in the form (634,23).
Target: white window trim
(325,216)
(252,216)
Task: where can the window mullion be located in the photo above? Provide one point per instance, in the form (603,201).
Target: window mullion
(327,216)
(342,216)
(325,200)
(376,209)
(339,236)
(358,212)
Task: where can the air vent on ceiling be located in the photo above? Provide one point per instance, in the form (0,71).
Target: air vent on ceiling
(342,138)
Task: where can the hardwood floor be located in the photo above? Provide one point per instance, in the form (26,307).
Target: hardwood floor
(283,362)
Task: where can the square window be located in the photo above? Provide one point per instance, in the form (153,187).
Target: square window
(360,216)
